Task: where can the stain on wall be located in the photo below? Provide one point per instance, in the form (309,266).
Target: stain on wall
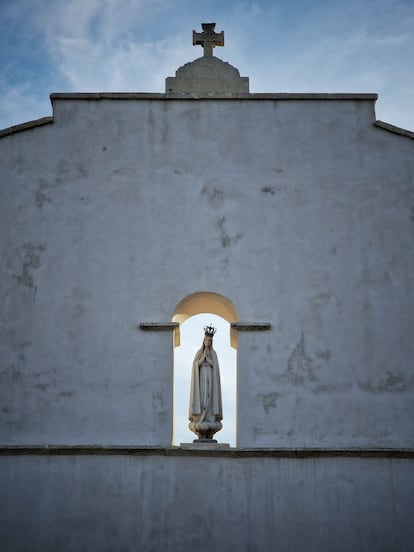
(268,401)
(213,194)
(30,260)
(390,383)
(225,238)
(300,366)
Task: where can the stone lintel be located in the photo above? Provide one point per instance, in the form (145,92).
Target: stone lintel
(158,326)
(251,326)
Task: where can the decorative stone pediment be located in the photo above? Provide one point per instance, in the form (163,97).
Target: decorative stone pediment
(207,75)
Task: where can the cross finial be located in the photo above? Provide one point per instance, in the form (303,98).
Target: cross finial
(208,39)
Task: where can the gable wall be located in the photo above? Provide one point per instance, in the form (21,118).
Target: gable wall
(299,212)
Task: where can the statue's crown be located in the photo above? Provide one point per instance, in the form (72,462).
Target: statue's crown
(209,331)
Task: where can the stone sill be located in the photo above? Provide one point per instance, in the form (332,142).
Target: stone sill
(120,450)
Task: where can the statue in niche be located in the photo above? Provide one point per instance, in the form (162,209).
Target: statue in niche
(206,410)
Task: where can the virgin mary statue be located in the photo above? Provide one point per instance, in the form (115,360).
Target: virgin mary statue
(206,412)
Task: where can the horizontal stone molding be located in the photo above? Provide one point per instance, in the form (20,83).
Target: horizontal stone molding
(395,129)
(26,126)
(209,96)
(286,96)
(251,326)
(119,450)
(158,326)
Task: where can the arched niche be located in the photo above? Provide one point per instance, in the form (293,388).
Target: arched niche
(205,301)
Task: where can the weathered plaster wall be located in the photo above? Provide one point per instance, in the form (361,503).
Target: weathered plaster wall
(152,503)
(300,212)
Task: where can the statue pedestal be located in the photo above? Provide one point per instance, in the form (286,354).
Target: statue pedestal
(205,444)
(205,430)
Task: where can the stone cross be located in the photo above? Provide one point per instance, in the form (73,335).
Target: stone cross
(208,39)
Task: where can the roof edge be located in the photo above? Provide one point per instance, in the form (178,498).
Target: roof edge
(394,129)
(190,96)
(25,126)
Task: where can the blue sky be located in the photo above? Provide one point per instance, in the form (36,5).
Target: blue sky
(132,45)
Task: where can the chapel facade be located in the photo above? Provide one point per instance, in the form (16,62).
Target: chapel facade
(289,215)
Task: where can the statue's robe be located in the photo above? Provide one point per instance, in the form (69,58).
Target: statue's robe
(199,411)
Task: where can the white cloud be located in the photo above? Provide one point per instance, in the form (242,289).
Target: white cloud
(392,39)
(19,105)
(133,45)
(105,45)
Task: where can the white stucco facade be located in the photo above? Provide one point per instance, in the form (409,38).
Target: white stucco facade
(106,503)
(298,210)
